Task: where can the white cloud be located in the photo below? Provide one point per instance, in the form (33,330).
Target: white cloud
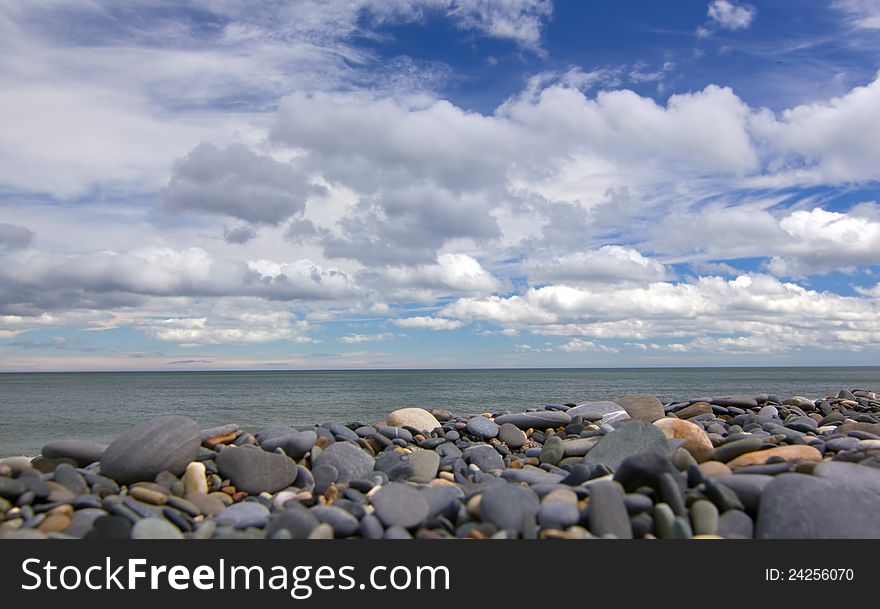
(451,274)
(731,15)
(748,306)
(429,323)
(610,263)
(242,321)
(864,14)
(353,339)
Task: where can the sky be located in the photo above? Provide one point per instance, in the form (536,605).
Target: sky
(208,184)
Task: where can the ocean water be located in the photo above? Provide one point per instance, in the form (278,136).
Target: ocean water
(37,407)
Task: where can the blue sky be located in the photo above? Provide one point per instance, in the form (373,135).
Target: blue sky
(438,183)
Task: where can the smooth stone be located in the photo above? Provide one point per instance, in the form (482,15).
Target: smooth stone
(731,450)
(425,464)
(83,520)
(70,479)
(852,473)
(552,451)
(484,457)
(579,446)
(508,506)
(11,488)
(276,431)
(664,521)
(636,503)
(593,411)
(221,430)
(206,504)
(642,407)
(255,471)
(294,445)
(324,475)
(798,506)
(482,427)
(54,523)
(559,495)
(693,410)
(694,439)
(740,401)
(631,438)
(723,497)
(395,465)
(802,424)
(371,528)
(343,523)
(110,527)
(512,435)
(643,469)
(748,488)
(344,433)
(704,517)
(416,418)
(531,476)
(558,515)
(155,528)
(682,459)
(607,513)
(841,444)
(166,443)
(349,460)
(297,521)
(538,420)
(872,428)
(82,452)
(614,418)
(244,514)
(399,505)
(393,433)
(796,452)
(194,479)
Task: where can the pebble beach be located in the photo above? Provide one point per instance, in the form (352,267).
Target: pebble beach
(733,467)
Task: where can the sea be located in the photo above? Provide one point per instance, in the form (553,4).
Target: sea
(38,407)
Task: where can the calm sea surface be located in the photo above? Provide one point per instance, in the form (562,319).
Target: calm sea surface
(36,408)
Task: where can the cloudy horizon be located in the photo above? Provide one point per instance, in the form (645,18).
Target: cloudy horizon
(438,184)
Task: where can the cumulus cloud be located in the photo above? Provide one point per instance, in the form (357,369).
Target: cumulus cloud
(240,320)
(731,15)
(14,236)
(240,234)
(450,274)
(37,282)
(238,183)
(747,306)
(429,323)
(610,263)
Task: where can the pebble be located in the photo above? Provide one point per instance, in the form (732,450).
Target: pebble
(416,418)
(243,515)
(798,506)
(194,479)
(704,517)
(295,444)
(593,411)
(788,453)
(482,427)
(485,457)
(642,407)
(425,464)
(537,420)
(155,528)
(81,452)
(255,471)
(607,511)
(349,460)
(296,520)
(552,451)
(399,505)
(694,439)
(512,435)
(165,443)
(852,473)
(632,438)
(730,450)
(343,523)
(508,506)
